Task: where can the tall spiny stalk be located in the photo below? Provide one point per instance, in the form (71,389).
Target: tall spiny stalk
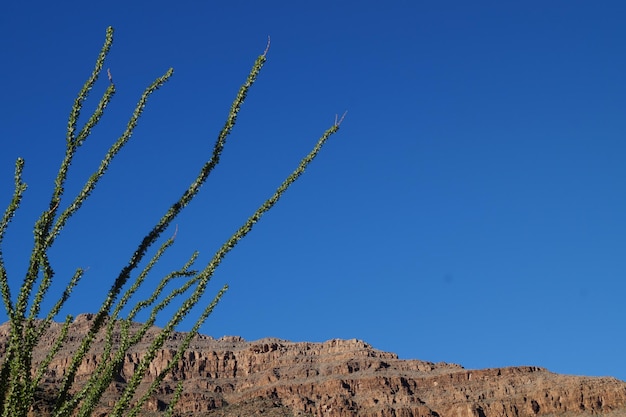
(19,378)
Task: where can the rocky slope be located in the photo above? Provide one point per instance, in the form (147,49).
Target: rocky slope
(342,378)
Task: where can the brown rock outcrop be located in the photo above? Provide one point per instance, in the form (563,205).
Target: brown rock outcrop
(341,378)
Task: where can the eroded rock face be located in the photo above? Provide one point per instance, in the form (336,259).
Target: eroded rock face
(339,378)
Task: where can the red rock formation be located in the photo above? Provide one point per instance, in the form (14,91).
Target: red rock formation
(342,378)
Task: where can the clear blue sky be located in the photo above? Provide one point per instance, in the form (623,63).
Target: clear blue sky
(472,208)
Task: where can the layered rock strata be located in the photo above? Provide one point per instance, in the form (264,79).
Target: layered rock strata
(338,378)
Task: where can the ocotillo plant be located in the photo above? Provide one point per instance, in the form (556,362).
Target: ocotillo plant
(20,376)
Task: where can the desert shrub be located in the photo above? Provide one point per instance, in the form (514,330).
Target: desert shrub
(20,376)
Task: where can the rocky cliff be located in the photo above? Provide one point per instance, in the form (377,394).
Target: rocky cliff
(341,378)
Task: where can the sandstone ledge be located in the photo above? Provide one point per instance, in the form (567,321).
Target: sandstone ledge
(342,378)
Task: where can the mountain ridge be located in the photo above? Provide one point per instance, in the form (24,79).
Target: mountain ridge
(229,377)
